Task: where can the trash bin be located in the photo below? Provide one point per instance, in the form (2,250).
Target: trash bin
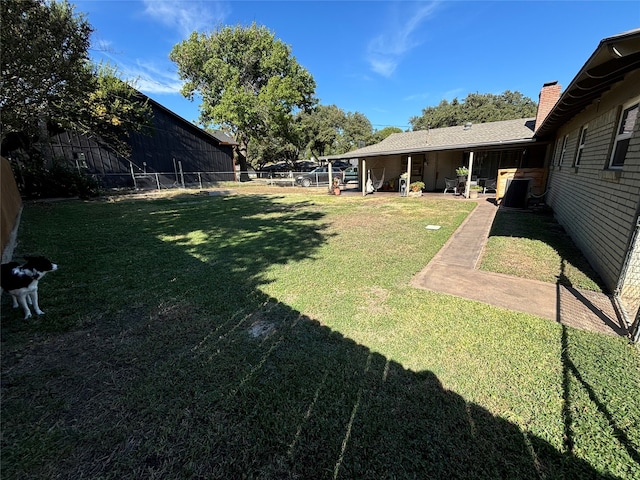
(517,193)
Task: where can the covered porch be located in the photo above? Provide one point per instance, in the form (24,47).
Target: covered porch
(435,167)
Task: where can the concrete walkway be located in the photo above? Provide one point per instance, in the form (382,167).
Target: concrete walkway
(453,270)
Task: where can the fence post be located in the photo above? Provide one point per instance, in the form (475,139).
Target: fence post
(157,181)
(133,176)
(627,290)
(175,170)
(181,173)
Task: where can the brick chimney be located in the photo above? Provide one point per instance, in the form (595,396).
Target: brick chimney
(549,96)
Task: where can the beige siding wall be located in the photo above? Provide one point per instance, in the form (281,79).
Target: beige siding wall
(596,205)
(439,165)
(389,165)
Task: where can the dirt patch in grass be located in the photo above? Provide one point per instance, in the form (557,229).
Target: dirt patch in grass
(375,301)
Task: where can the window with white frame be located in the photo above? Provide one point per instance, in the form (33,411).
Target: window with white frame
(628,118)
(582,139)
(563,149)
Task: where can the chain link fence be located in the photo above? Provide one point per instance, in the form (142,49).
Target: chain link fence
(628,291)
(203,180)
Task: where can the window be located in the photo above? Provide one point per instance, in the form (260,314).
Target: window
(581,141)
(563,150)
(623,134)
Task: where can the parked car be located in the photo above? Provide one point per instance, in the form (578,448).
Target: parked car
(318,176)
(350,175)
(305,165)
(275,170)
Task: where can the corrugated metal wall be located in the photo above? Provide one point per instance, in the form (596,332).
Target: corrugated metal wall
(172,140)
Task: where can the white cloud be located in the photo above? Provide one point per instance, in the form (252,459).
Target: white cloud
(383,66)
(149,78)
(150,85)
(386,50)
(187,16)
(152,72)
(449,95)
(416,96)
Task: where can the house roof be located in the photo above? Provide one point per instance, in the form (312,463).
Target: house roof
(223,138)
(220,137)
(613,58)
(506,132)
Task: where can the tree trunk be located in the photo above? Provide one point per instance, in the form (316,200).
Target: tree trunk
(45,142)
(241,157)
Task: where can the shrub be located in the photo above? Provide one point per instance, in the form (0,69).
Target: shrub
(416,186)
(36,181)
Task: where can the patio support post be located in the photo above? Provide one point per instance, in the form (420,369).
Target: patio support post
(467,186)
(363,171)
(408,171)
(330,175)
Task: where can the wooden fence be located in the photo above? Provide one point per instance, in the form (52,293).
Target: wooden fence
(10,206)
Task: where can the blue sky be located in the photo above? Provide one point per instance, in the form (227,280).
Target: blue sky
(385,59)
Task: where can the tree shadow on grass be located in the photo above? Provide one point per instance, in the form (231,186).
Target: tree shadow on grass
(579,308)
(571,375)
(542,226)
(210,378)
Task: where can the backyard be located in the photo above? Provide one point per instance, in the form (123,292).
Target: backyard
(276,336)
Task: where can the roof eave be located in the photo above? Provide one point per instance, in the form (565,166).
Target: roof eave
(429,148)
(613,58)
(184,120)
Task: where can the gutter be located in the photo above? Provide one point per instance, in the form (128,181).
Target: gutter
(429,148)
(613,58)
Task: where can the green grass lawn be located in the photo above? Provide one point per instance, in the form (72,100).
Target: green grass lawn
(276,337)
(534,246)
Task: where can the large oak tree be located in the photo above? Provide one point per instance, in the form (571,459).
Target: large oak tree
(44,64)
(48,83)
(476,108)
(249,82)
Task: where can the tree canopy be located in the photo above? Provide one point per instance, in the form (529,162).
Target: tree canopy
(328,130)
(113,110)
(357,132)
(321,128)
(44,62)
(48,83)
(248,80)
(477,108)
(380,135)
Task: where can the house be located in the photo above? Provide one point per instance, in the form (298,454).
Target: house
(176,151)
(433,155)
(594,166)
(587,141)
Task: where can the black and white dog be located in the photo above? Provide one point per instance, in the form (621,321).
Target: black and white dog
(21,281)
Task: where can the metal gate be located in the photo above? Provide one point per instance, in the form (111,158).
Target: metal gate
(628,290)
